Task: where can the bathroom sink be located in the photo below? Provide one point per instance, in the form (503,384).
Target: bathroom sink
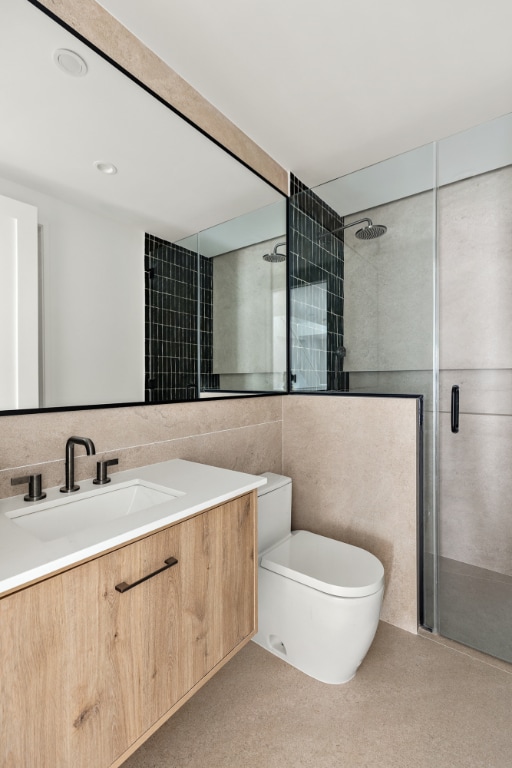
(61,517)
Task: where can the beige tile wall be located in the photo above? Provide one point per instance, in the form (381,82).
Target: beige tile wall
(354,467)
(97,26)
(244,434)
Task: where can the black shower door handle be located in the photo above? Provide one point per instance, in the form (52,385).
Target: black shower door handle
(455,408)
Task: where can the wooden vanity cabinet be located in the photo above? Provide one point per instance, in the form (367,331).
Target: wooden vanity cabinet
(89,672)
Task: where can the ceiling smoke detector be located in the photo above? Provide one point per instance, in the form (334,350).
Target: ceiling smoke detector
(70,62)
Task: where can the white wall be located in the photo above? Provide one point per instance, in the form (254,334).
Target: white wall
(19,305)
(93,305)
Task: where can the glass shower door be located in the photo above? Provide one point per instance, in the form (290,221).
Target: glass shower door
(475,404)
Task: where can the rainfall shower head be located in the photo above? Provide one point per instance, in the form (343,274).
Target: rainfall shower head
(275,257)
(369,232)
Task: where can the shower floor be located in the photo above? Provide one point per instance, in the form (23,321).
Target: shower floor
(475,607)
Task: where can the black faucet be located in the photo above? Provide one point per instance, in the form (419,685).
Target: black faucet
(70,461)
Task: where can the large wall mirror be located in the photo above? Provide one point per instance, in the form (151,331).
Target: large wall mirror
(139,261)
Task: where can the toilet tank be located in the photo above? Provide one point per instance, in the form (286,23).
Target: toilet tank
(274,510)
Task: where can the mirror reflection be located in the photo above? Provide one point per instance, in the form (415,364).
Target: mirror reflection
(236,341)
(248,303)
(92,169)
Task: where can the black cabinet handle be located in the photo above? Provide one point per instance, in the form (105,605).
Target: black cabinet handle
(124,587)
(455,408)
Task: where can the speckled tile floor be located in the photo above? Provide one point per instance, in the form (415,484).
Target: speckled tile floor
(414,701)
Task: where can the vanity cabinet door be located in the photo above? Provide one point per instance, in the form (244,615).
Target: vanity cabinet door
(87,670)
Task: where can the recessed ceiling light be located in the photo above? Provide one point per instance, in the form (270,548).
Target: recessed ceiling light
(70,62)
(108,168)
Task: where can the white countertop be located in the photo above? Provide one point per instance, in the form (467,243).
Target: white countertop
(24,558)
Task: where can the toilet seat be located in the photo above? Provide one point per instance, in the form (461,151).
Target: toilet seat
(328,566)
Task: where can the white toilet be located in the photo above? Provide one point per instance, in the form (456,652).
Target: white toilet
(319,599)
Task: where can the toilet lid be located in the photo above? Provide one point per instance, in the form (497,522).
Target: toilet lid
(326,565)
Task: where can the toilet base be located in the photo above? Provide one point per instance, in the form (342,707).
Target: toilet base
(324,636)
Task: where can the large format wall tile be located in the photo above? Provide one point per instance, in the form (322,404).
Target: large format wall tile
(414,382)
(254,449)
(354,467)
(242,434)
(475,491)
(475,232)
(480,391)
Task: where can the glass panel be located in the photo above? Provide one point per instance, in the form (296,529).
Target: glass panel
(378,314)
(475,311)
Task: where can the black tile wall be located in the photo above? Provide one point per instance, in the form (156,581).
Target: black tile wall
(172,291)
(316,267)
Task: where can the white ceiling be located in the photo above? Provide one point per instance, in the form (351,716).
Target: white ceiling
(332,86)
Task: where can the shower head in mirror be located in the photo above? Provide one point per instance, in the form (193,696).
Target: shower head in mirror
(275,257)
(369,232)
